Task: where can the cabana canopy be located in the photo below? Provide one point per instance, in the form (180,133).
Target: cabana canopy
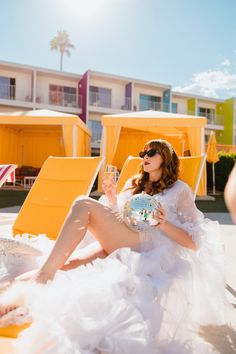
(125,134)
(28,138)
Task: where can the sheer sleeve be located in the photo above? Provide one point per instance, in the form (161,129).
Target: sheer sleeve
(186,207)
(203,231)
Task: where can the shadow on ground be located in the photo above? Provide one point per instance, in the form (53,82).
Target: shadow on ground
(213,206)
(222,338)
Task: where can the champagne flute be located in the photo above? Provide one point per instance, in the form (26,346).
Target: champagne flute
(111,173)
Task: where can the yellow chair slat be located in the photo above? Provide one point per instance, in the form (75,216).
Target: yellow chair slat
(47,192)
(129,169)
(12,331)
(191,168)
(59,182)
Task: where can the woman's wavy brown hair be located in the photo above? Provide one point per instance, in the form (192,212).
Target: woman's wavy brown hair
(170,168)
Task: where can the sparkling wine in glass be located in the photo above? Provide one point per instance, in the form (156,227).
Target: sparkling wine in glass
(111,172)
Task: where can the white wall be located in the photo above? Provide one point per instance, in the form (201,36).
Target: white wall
(204,104)
(182,104)
(23,82)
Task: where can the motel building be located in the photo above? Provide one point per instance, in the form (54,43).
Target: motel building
(93,94)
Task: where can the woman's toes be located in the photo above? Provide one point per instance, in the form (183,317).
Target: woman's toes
(5,309)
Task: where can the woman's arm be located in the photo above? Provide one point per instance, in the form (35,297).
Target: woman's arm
(116,201)
(109,187)
(230,193)
(175,233)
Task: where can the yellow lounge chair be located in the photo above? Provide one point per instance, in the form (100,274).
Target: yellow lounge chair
(191,169)
(129,169)
(59,182)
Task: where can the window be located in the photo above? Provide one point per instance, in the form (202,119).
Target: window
(174,107)
(150,102)
(207,112)
(7,88)
(62,95)
(96,128)
(100,96)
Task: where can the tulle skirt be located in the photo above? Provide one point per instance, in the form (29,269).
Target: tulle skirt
(151,301)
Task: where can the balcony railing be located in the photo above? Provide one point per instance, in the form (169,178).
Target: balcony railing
(7,92)
(63,99)
(105,101)
(100,99)
(212,118)
(155,106)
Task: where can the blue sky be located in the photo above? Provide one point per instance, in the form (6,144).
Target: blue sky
(189,44)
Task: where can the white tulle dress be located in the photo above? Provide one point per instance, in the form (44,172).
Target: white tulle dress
(145,302)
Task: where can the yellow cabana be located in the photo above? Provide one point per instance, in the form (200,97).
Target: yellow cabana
(125,134)
(28,138)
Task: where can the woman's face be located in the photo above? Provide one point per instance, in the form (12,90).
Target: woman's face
(152,163)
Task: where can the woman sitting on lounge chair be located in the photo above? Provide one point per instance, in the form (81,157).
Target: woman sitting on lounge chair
(139,292)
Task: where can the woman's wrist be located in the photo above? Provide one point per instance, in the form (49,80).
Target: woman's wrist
(112,201)
(162,225)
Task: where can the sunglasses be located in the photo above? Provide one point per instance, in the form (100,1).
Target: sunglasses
(149,153)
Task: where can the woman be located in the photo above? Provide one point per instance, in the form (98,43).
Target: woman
(230,193)
(147,293)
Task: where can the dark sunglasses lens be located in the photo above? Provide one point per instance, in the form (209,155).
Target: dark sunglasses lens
(151,153)
(142,154)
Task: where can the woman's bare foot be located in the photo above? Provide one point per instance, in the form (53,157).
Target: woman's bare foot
(15,316)
(4,309)
(13,301)
(42,277)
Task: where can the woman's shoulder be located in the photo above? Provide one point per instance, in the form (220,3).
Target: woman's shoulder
(128,184)
(180,186)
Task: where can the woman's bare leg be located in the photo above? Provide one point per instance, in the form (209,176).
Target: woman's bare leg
(90,253)
(90,256)
(106,226)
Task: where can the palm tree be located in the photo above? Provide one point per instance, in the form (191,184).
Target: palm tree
(62,43)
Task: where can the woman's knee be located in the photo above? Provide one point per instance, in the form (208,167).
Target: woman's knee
(81,203)
(81,198)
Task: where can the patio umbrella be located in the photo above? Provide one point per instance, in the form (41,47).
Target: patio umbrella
(212,156)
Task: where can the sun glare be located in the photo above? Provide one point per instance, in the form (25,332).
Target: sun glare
(87,10)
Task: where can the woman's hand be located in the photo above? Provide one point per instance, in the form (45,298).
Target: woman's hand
(160,216)
(109,188)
